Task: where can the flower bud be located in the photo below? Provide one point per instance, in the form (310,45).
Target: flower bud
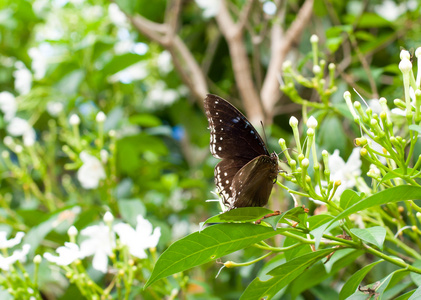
(72,231)
(316,69)
(37,259)
(405,66)
(108,217)
(314,39)
(293,121)
(74,120)
(101,117)
(312,122)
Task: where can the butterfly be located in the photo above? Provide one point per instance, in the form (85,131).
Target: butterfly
(246,174)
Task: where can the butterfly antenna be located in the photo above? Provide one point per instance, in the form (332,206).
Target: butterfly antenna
(361,97)
(264,132)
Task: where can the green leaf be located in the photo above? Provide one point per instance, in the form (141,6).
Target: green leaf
(414,127)
(130,209)
(282,276)
(289,214)
(120,62)
(408,295)
(241,214)
(416,295)
(332,135)
(146,120)
(318,273)
(373,235)
(211,243)
(349,198)
(394,194)
(399,174)
(395,276)
(372,20)
(354,281)
(416,278)
(37,234)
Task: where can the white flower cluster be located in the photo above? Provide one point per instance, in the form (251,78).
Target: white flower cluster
(16,126)
(17,255)
(100,241)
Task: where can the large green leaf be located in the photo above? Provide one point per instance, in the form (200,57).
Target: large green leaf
(373,235)
(354,281)
(211,243)
(241,214)
(397,173)
(416,278)
(282,276)
(319,272)
(395,194)
(349,198)
(416,294)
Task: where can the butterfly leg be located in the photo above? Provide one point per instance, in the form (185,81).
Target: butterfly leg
(275,213)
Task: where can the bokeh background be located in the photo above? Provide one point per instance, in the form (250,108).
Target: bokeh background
(148,66)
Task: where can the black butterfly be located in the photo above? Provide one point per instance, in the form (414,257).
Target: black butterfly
(246,174)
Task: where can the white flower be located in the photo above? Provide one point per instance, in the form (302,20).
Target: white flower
(18,126)
(123,46)
(164,62)
(140,239)
(17,255)
(140,48)
(66,254)
(116,15)
(5,243)
(345,172)
(99,243)
(390,11)
(160,95)
(269,8)
(54,108)
(40,56)
(210,8)
(375,106)
(23,78)
(91,172)
(29,137)
(104,156)
(8,105)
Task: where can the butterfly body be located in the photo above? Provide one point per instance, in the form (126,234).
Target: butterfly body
(245,175)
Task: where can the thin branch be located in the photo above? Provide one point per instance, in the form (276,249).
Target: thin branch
(171,18)
(233,34)
(270,92)
(184,62)
(244,15)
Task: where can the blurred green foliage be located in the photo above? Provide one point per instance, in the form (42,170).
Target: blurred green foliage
(85,56)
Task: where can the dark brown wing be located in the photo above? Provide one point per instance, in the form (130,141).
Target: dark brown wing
(252,185)
(235,141)
(232,135)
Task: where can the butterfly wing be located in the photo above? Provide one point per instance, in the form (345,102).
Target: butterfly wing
(233,139)
(253,183)
(232,135)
